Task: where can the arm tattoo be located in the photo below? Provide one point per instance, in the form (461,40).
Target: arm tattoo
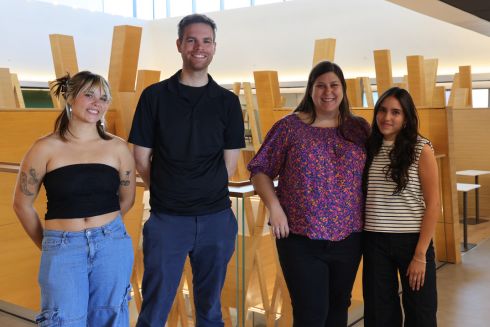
(125,181)
(33,180)
(23,184)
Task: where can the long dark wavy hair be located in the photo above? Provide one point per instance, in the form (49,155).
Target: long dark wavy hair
(67,88)
(307,106)
(403,155)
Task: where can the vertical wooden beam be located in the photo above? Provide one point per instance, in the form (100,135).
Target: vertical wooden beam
(64,54)
(7,96)
(354,93)
(252,117)
(236,88)
(465,82)
(456,85)
(123,66)
(460,100)
(268,97)
(19,99)
(324,50)
(382,64)
(416,79)
(368,93)
(126,42)
(439,99)
(430,70)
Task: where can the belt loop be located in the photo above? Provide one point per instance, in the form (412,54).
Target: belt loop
(64,237)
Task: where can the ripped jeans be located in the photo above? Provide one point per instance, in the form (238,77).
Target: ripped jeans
(85,277)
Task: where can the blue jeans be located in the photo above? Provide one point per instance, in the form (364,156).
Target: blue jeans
(85,277)
(209,240)
(385,256)
(320,275)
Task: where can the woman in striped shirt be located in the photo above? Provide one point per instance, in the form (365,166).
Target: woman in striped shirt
(402,206)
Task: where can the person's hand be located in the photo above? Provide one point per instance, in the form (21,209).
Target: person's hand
(416,273)
(278,222)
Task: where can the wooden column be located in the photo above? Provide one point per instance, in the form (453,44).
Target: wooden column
(19,99)
(454,87)
(368,93)
(7,95)
(123,66)
(324,50)
(416,79)
(268,97)
(64,54)
(236,88)
(430,70)
(252,116)
(382,64)
(465,83)
(354,92)
(126,42)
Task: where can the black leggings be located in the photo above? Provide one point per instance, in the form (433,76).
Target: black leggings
(319,275)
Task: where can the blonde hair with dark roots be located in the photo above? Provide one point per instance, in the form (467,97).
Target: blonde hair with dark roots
(67,88)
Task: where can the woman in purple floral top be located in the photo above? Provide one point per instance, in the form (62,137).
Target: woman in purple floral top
(316,212)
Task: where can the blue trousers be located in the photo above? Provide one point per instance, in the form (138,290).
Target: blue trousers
(85,277)
(209,240)
(320,275)
(385,256)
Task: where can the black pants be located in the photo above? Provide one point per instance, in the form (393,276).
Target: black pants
(385,256)
(319,275)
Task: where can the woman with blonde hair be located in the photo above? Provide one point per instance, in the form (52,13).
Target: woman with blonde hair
(89,178)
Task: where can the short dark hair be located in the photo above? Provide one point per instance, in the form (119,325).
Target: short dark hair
(195,19)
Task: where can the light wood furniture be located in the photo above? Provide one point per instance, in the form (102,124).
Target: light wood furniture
(476,174)
(7,96)
(465,188)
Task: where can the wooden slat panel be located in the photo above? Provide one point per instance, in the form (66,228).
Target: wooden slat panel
(7,97)
(324,50)
(416,79)
(430,70)
(19,99)
(64,54)
(382,64)
(366,87)
(354,92)
(465,83)
(268,97)
(126,42)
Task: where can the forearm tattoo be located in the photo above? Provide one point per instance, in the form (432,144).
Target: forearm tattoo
(125,179)
(25,181)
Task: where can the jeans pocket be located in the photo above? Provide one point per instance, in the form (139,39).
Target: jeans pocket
(51,243)
(48,318)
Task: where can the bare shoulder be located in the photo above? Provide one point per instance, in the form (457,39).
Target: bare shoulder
(45,145)
(118,143)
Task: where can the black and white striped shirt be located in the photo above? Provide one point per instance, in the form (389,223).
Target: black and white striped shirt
(389,213)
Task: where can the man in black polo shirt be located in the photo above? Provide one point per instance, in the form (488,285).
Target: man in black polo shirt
(187,132)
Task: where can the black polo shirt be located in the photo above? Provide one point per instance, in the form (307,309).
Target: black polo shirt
(188,173)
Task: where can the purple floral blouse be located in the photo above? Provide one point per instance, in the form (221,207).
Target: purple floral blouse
(320,175)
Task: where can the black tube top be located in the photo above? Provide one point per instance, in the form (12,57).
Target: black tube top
(81,190)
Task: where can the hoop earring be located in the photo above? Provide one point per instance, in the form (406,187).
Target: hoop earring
(68,111)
